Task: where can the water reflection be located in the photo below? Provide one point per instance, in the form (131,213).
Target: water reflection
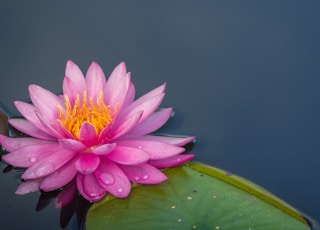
(71,204)
(77,206)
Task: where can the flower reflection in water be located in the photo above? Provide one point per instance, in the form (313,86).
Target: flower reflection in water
(68,200)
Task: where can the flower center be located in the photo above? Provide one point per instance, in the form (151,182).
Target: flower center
(97,113)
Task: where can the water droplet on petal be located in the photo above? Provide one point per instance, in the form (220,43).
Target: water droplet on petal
(145,177)
(33,159)
(140,147)
(106,178)
(120,190)
(43,169)
(93,194)
(137,178)
(178,159)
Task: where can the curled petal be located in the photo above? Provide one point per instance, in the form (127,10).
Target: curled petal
(89,187)
(128,155)
(156,150)
(72,144)
(171,161)
(95,80)
(87,163)
(103,149)
(121,185)
(144,174)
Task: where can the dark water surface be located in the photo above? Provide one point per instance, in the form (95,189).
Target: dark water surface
(243,76)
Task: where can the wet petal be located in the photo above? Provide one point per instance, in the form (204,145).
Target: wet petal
(49,164)
(128,155)
(87,163)
(29,155)
(59,178)
(144,174)
(95,80)
(104,175)
(89,187)
(156,150)
(171,161)
(121,186)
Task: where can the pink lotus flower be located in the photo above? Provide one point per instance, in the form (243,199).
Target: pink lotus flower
(95,132)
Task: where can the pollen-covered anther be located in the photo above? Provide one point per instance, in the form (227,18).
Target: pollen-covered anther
(97,113)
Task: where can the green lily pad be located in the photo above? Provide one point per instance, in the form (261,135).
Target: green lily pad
(196,196)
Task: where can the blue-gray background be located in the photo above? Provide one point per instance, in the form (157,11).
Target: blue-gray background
(243,76)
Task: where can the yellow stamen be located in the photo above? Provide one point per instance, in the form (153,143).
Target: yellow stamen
(97,113)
